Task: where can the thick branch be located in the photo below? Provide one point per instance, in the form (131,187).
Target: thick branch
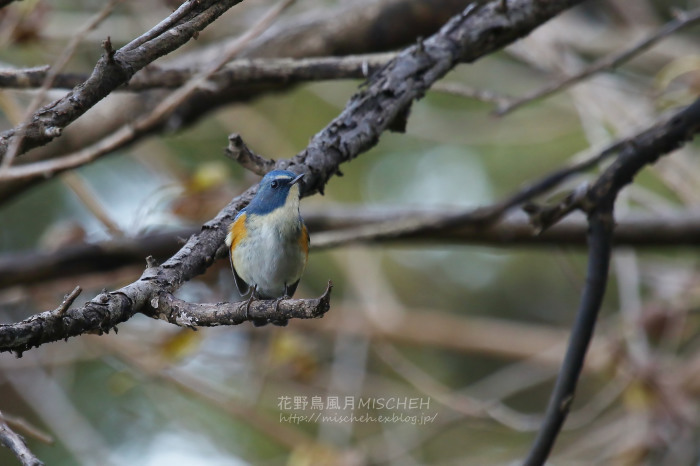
(387,97)
(184,314)
(114,69)
(338,226)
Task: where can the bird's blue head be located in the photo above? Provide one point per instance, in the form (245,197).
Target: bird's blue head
(275,189)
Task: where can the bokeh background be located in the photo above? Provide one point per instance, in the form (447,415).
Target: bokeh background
(477,329)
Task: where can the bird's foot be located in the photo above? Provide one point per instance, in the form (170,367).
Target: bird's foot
(248,303)
(280,322)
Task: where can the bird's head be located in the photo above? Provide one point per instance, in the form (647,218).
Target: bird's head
(279,188)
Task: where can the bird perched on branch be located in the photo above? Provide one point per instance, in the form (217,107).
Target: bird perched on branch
(268,241)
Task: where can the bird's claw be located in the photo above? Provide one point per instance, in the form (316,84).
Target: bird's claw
(248,303)
(280,322)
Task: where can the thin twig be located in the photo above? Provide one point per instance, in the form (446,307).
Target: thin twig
(238,72)
(238,150)
(21,424)
(605,63)
(161,27)
(68,300)
(482,95)
(88,197)
(16,443)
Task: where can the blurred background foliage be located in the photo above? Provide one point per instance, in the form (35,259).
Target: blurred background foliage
(477,329)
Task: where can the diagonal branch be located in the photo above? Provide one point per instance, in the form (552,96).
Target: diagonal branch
(114,69)
(599,202)
(145,123)
(14,442)
(382,104)
(634,153)
(506,106)
(50,76)
(600,244)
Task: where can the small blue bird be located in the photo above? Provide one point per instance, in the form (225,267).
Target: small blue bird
(268,241)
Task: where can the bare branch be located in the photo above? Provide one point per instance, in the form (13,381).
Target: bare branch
(339,226)
(241,72)
(15,443)
(61,62)
(644,148)
(113,70)
(388,94)
(600,244)
(606,63)
(192,315)
(599,201)
(239,151)
(350,28)
(129,131)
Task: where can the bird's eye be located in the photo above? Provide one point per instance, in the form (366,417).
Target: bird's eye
(274,184)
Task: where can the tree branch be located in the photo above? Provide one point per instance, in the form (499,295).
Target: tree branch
(599,201)
(645,148)
(610,62)
(357,27)
(238,151)
(192,315)
(600,244)
(386,97)
(15,443)
(338,226)
(114,69)
(240,72)
(145,123)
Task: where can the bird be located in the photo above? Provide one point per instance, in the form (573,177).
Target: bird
(268,242)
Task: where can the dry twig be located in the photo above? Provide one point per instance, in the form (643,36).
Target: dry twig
(16,443)
(606,63)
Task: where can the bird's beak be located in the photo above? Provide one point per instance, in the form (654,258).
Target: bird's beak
(296,180)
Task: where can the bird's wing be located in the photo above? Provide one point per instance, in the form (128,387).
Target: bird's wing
(304,239)
(237,231)
(304,244)
(243,287)
(291,289)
